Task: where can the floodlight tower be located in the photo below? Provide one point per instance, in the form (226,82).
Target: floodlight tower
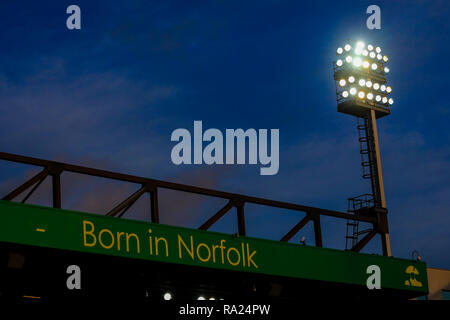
(361,90)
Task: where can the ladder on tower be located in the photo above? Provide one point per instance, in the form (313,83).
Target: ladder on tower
(355,204)
(364,140)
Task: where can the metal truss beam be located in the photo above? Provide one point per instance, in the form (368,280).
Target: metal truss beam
(40,176)
(55,169)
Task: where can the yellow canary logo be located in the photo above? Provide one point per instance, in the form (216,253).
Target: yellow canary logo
(413,273)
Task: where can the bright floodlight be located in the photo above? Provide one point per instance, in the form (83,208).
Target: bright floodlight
(362,91)
(357,62)
(167,296)
(360,72)
(201,298)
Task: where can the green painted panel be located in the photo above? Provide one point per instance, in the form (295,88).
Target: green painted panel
(69,230)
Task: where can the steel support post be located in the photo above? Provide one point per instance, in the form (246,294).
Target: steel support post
(240,218)
(153,190)
(385,235)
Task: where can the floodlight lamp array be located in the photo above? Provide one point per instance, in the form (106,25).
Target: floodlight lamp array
(360,73)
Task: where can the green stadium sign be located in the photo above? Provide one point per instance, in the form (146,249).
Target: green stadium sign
(69,230)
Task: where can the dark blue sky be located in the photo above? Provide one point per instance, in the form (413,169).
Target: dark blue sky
(110,94)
